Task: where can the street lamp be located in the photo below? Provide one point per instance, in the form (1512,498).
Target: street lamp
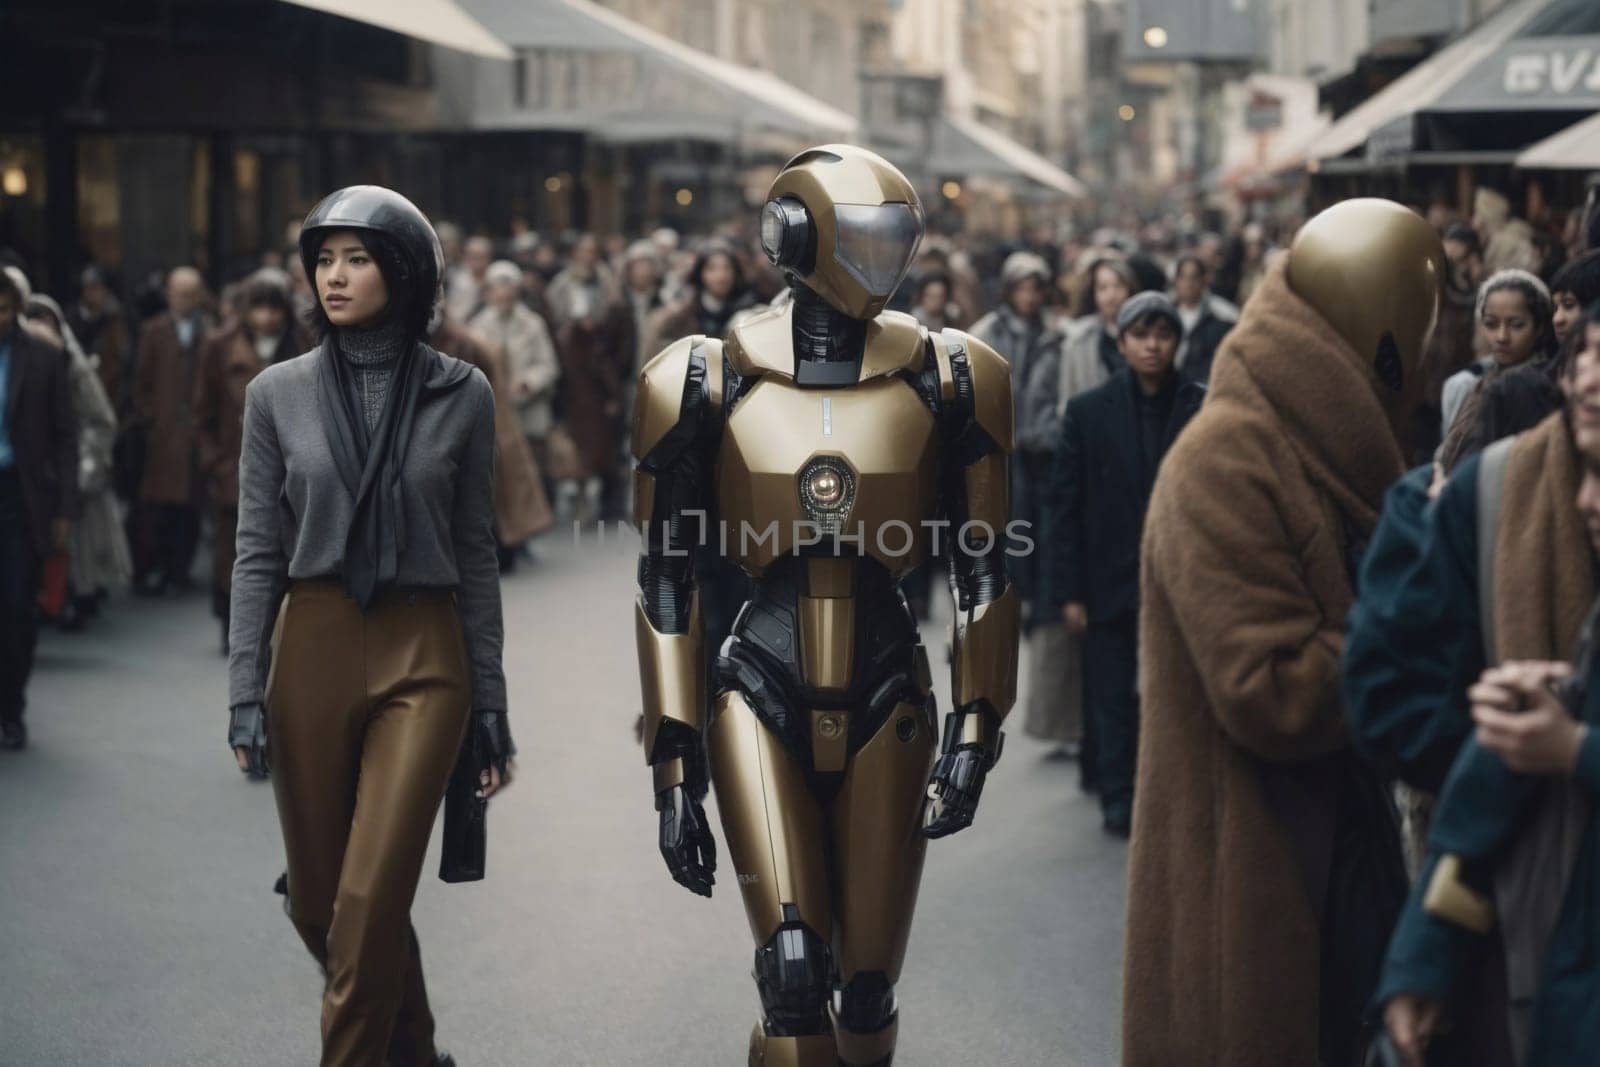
(1156,37)
(685,197)
(1126,113)
(951,189)
(15,181)
(552,184)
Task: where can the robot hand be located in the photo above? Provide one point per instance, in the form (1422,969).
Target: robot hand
(686,841)
(247,736)
(953,790)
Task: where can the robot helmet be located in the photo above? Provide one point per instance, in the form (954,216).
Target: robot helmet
(844,223)
(413,245)
(1374,270)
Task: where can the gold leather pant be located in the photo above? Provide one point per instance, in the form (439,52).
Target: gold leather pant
(365,718)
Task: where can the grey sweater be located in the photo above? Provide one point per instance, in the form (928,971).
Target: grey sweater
(294,510)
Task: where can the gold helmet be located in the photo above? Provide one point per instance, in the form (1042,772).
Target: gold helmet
(845,223)
(1374,270)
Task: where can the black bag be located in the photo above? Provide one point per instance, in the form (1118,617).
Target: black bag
(464,851)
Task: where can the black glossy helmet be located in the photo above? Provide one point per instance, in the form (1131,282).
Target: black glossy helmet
(411,237)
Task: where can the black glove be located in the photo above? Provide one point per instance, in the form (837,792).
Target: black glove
(686,841)
(491,742)
(247,729)
(956,782)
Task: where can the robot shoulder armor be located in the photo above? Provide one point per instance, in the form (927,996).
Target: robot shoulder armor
(663,399)
(991,388)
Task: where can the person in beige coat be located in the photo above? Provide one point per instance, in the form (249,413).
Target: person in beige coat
(1255,521)
(532,365)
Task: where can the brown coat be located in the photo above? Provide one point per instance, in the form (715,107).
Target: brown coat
(163,405)
(226,365)
(43,428)
(105,337)
(596,356)
(1245,590)
(520,505)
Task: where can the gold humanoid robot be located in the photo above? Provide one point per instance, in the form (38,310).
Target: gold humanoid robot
(828,448)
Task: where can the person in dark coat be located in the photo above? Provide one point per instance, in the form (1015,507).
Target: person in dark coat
(97,322)
(265,334)
(1420,636)
(38,491)
(1207,317)
(163,404)
(1113,439)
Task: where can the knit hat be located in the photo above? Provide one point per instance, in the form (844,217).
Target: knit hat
(1145,305)
(1020,265)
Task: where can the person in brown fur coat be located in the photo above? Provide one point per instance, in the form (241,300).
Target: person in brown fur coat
(1254,522)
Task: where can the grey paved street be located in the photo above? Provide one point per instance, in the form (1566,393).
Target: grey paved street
(137,925)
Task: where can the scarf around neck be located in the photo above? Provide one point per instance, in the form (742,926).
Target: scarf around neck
(371,463)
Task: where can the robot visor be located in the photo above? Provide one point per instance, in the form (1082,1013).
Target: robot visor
(876,243)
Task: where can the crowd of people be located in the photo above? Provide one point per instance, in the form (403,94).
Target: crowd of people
(120,446)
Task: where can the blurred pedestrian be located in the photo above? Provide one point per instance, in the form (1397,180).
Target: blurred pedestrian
(386,650)
(930,301)
(96,320)
(164,381)
(641,287)
(532,365)
(1113,439)
(1508,242)
(266,333)
(38,491)
(1019,330)
(97,551)
(521,508)
(1207,317)
(715,297)
(1515,316)
(582,287)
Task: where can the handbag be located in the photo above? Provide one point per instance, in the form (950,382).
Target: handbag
(464,850)
(53,585)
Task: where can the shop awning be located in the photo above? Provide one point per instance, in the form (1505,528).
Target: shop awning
(1423,86)
(730,98)
(440,22)
(965,148)
(1574,148)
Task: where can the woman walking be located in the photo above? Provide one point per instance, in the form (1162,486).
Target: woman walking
(367,495)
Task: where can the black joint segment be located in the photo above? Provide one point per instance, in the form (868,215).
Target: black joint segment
(692,420)
(866,1003)
(794,976)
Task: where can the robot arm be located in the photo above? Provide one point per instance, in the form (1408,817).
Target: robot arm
(676,425)
(975,389)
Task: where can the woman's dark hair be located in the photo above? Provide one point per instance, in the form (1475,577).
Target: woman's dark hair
(927,278)
(412,310)
(262,293)
(1187,258)
(1581,278)
(709,252)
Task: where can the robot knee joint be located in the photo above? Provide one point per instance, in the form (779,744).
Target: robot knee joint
(866,1003)
(793,975)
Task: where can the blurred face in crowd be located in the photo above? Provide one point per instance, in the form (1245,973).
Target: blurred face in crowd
(1110,293)
(1026,297)
(8,313)
(265,320)
(184,292)
(1149,346)
(935,297)
(642,276)
(94,296)
(585,255)
(1189,284)
(1567,312)
(1465,264)
(479,253)
(1509,327)
(616,245)
(717,276)
(450,242)
(503,296)
(349,283)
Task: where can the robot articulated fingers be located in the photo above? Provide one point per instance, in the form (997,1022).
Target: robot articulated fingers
(838,447)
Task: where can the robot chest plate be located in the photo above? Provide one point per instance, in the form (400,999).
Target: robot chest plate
(796,464)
